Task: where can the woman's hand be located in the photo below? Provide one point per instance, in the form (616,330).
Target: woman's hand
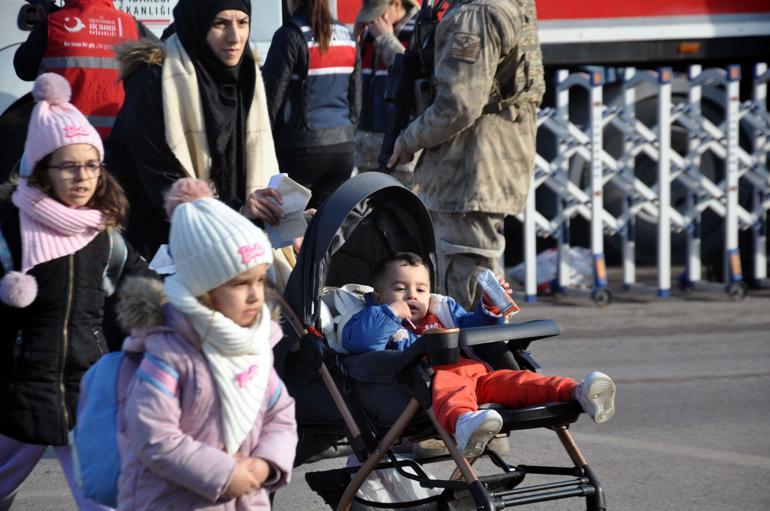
(243,480)
(264,204)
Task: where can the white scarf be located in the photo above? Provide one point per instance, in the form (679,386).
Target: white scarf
(240,360)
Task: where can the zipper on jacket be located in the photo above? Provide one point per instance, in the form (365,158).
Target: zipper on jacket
(98,340)
(65,336)
(17,351)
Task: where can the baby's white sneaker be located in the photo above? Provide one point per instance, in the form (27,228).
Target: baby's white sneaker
(474,429)
(596,394)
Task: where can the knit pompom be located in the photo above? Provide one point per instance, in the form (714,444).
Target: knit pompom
(52,88)
(184,190)
(18,289)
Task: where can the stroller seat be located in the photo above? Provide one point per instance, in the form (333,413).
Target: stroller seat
(374,379)
(370,402)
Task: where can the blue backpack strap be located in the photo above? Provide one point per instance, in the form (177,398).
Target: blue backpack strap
(276,395)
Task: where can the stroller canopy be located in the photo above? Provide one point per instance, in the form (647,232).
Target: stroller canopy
(367,218)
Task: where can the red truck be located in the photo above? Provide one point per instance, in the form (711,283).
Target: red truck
(644,32)
(576,34)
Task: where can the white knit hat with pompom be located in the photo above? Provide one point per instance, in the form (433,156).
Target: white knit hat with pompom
(209,242)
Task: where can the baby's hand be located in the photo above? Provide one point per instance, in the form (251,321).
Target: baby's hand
(488,301)
(505,284)
(401,309)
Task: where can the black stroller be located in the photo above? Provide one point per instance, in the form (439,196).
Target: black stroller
(365,404)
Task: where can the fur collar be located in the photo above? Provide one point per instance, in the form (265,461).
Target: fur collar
(131,55)
(141,304)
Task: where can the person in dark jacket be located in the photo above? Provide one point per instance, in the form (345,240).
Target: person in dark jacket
(77,42)
(312,80)
(386,28)
(195,107)
(59,231)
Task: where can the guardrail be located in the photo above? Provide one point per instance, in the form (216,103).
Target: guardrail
(584,138)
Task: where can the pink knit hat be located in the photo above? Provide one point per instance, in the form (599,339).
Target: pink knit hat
(55,122)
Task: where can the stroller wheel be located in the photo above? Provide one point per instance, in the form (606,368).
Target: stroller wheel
(602,297)
(737,291)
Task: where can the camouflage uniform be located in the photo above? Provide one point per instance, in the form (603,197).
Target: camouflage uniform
(477,165)
(369,143)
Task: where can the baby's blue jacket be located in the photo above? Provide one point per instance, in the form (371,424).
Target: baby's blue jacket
(376,327)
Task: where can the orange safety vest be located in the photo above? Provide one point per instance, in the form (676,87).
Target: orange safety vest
(81,37)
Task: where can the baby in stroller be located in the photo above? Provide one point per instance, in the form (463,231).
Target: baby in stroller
(369,402)
(402,308)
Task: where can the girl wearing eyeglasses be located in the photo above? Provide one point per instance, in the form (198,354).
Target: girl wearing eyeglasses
(61,255)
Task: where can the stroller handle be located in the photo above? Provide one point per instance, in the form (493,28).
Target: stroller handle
(527,332)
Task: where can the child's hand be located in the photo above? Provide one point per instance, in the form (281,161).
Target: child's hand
(401,309)
(261,469)
(243,480)
(488,301)
(505,284)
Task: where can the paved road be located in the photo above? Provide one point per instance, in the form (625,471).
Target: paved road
(691,431)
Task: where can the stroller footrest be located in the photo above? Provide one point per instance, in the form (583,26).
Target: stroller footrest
(540,416)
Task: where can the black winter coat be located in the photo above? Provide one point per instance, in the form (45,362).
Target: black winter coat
(288,56)
(139,157)
(46,348)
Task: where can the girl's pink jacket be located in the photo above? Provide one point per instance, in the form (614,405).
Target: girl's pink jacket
(172,446)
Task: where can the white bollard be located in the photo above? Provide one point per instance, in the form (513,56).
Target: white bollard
(664,182)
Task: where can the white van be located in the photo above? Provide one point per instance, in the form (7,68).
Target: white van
(17,17)
(11,36)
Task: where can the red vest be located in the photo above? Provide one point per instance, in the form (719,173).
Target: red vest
(81,37)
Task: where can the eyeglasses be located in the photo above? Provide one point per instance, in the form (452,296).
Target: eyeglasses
(71,168)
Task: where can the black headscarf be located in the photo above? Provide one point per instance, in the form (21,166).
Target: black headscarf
(226,92)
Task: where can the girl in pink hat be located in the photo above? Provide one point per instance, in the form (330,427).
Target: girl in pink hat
(61,257)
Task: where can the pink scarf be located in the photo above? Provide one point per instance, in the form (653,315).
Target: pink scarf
(49,229)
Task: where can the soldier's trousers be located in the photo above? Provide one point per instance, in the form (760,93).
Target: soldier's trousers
(466,245)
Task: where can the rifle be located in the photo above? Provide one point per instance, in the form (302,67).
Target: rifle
(409,87)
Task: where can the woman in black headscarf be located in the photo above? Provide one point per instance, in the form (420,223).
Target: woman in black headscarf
(194,107)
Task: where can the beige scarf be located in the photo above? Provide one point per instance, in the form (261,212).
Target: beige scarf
(185,125)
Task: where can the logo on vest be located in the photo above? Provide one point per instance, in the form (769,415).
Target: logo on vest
(79,25)
(74,130)
(251,252)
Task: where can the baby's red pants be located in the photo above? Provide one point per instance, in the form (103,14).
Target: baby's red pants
(459,388)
